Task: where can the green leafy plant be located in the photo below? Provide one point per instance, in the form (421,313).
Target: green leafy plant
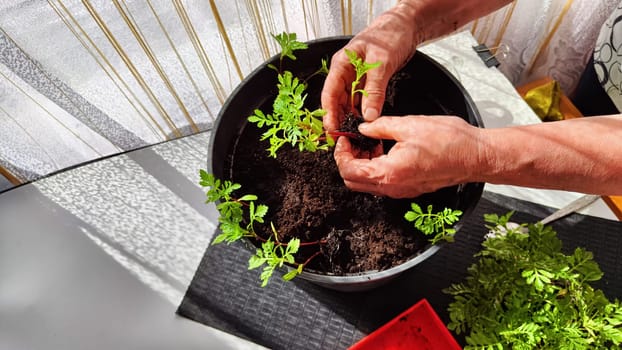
(525,293)
(291,122)
(231,209)
(288,43)
(436,224)
(361,67)
(234,212)
(274,255)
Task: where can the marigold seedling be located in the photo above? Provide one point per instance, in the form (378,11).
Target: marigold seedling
(436,224)
(288,43)
(234,212)
(291,122)
(361,68)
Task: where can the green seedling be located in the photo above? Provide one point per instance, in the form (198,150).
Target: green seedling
(234,212)
(437,225)
(361,68)
(288,43)
(291,122)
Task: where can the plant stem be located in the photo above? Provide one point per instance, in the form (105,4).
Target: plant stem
(350,135)
(318,242)
(311,258)
(278,243)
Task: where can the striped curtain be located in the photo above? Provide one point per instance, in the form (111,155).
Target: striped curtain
(84,79)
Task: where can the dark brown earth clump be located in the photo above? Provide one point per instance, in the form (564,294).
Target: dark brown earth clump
(350,127)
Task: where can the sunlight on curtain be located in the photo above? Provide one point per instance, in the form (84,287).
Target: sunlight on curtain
(546,37)
(85,79)
(82,79)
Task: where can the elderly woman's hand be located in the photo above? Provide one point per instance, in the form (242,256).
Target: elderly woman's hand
(391,39)
(430,152)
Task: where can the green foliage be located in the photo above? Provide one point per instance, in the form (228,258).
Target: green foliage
(273,254)
(291,122)
(495,221)
(525,293)
(216,189)
(436,224)
(323,68)
(361,69)
(289,44)
(231,209)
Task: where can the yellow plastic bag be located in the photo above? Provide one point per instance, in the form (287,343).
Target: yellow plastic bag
(544,100)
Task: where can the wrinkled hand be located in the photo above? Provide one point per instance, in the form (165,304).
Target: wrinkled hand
(431,152)
(390,39)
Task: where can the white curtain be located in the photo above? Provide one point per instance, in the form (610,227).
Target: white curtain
(551,38)
(82,79)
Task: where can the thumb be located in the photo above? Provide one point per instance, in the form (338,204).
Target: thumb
(375,85)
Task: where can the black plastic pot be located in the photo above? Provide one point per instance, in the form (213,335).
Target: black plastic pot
(423,87)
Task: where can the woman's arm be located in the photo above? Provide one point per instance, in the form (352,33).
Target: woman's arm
(435,18)
(583,155)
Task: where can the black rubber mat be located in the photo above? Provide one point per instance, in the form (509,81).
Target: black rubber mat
(301,315)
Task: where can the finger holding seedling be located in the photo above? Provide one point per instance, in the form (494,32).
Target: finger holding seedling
(390,39)
(361,68)
(430,152)
(348,126)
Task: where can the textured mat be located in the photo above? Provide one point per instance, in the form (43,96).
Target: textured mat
(300,315)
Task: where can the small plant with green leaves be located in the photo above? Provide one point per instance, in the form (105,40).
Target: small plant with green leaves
(291,122)
(352,119)
(434,224)
(361,68)
(234,212)
(274,255)
(231,209)
(288,43)
(525,293)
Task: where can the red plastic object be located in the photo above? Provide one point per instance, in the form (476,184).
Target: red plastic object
(419,327)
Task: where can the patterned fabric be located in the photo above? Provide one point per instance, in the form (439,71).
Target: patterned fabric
(547,38)
(608,56)
(82,80)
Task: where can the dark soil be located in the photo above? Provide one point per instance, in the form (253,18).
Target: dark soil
(308,199)
(350,127)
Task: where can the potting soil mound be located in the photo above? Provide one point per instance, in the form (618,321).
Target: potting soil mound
(307,199)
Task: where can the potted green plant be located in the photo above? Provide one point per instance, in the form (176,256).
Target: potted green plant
(293,205)
(524,292)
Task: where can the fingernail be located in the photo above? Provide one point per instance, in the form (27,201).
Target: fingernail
(371,114)
(363,126)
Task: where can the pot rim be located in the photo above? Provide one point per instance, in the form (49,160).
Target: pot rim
(310,275)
